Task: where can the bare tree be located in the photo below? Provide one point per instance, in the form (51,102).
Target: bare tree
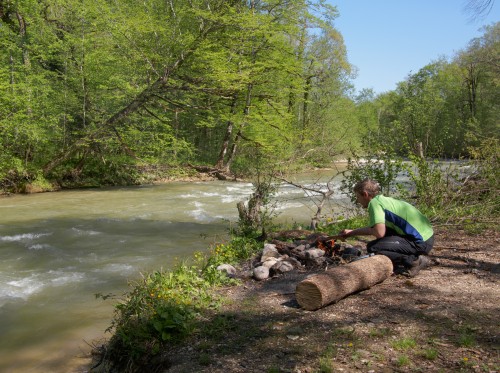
(478,8)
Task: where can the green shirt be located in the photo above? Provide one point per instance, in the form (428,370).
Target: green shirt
(399,215)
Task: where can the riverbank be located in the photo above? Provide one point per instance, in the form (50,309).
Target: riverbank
(145,175)
(445,319)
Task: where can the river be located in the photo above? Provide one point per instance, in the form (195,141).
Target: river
(59,249)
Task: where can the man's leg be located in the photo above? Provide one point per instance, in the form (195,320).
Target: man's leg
(400,250)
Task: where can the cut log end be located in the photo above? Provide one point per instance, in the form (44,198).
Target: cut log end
(332,285)
(309,295)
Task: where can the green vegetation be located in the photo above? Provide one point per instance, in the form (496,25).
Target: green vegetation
(404,344)
(122,93)
(115,93)
(164,308)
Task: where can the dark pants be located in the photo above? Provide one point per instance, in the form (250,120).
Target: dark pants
(402,251)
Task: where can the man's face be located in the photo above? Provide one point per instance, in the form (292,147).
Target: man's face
(363,199)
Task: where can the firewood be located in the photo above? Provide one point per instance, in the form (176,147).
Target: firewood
(334,284)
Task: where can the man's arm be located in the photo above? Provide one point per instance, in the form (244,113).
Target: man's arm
(378,230)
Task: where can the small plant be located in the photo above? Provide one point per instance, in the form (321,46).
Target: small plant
(403,360)
(326,360)
(466,362)
(375,333)
(466,337)
(325,365)
(204,359)
(273,370)
(404,344)
(430,353)
(466,340)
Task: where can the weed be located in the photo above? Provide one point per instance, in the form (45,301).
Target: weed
(467,337)
(204,346)
(204,359)
(404,344)
(466,362)
(326,360)
(403,360)
(273,370)
(382,332)
(430,353)
(325,365)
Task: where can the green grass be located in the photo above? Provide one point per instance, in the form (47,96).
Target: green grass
(430,353)
(404,344)
(403,360)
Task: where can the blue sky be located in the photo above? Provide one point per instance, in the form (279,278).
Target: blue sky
(389,39)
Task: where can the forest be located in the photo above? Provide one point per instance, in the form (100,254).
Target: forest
(108,93)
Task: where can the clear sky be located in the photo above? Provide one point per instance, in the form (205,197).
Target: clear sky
(389,39)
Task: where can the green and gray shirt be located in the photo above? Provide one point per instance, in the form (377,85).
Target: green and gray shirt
(400,216)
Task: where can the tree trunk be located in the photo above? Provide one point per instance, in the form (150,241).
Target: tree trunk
(227,137)
(332,285)
(246,111)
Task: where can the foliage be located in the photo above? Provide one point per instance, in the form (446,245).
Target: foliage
(446,107)
(384,168)
(162,83)
(165,307)
(430,183)
(464,193)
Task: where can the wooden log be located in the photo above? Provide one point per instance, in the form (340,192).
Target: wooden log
(334,284)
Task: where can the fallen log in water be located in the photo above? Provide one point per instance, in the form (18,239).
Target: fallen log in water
(334,284)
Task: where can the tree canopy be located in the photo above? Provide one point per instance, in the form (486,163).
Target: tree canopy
(92,93)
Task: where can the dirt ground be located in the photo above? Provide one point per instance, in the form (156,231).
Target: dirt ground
(446,319)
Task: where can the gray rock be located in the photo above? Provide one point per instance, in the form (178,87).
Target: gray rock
(269,251)
(294,261)
(314,253)
(261,273)
(282,267)
(270,262)
(228,268)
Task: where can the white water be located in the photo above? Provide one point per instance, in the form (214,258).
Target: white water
(57,250)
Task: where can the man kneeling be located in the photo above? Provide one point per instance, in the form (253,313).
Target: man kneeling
(402,232)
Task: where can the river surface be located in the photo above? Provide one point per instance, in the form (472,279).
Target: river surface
(57,250)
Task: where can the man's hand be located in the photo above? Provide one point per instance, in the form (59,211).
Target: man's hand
(378,230)
(345,233)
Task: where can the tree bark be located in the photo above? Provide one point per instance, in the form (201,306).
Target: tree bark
(332,285)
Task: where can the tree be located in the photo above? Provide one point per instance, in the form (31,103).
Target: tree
(478,8)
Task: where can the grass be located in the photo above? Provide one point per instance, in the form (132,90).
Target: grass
(403,360)
(404,344)
(430,353)
(326,360)
(379,332)
(467,337)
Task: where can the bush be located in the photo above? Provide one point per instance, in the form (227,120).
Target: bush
(164,308)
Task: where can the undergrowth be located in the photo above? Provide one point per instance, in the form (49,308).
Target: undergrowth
(163,308)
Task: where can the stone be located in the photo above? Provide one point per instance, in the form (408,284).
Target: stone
(261,273)
(282,267)
(270,251)
(270,262)
(314,253)
(228,268)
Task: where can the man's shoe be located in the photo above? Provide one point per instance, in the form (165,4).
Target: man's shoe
(420,263)
(425,261)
